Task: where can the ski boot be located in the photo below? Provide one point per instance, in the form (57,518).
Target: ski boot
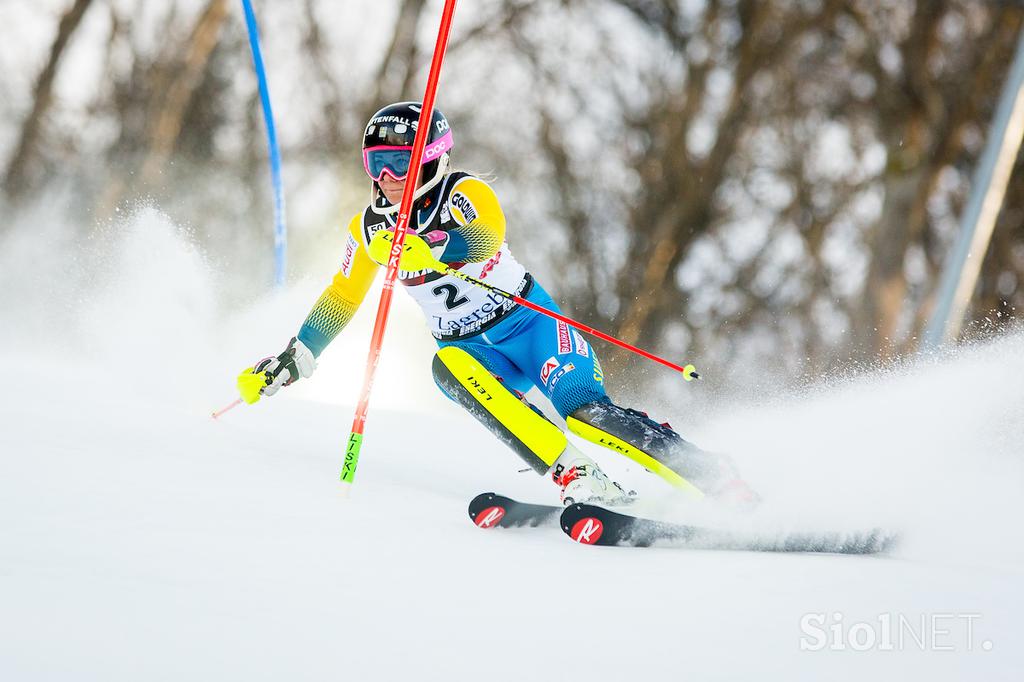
(583,482)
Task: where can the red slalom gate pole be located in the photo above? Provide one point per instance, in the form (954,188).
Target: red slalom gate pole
(688,371)
(355,438)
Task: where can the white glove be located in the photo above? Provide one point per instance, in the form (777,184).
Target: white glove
(296,361)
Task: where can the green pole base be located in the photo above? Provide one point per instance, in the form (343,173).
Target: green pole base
(348,470)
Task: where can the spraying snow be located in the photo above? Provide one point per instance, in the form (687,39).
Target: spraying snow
(141,540)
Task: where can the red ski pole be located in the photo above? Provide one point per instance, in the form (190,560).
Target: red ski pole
(688,371)
(355,438)
(226,408)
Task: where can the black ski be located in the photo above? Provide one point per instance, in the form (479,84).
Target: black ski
(592,525)
(490,510)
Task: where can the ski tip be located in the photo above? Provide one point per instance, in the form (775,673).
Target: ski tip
(489,517)
(587,524)
(485,511)
(586,531)
(479,500)
(491,510)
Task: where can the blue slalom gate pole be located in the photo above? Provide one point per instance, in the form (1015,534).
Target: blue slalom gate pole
(280,231)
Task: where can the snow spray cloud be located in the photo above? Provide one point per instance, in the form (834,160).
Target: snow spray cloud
(932,449)
(136,307)
(131,305)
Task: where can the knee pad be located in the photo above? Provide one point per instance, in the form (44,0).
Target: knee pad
(514,421)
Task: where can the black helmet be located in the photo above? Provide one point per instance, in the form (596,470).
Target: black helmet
(387,147)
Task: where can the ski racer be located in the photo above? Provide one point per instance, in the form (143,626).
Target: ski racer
(490,349)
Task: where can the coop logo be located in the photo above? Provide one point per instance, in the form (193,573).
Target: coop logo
(465,207)
(587,531)
(350,253)
(549,366)
(489,517)
(566,368)
(564,345)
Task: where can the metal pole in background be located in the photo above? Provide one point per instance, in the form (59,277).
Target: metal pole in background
(988,187)
(280,230)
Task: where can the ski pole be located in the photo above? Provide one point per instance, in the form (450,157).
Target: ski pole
(238,401)
(250,384)
(417,256)
(688,371)
(355,438)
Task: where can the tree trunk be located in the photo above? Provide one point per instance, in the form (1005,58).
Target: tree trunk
(396,70)
(166,128)
(16,179)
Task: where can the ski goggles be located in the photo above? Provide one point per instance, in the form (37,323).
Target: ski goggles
(395,160)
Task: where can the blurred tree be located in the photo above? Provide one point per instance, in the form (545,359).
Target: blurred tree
(168,105)
(746,182)
(166,125)
(923,110)
(752,126)
(401,58)
(16,176)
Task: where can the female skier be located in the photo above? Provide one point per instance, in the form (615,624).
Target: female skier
(491,350)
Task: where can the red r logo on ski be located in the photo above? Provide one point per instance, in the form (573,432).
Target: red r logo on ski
(489,517)
(587,531)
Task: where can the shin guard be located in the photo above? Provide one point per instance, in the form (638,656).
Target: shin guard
(654,446)
(515,422)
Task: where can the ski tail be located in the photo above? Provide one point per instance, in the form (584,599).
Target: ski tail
(490,510)
(592,525)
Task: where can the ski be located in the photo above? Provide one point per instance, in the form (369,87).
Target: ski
(490,510)
(591,525)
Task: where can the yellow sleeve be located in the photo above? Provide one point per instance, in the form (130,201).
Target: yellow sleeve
(342,297)
(481,230)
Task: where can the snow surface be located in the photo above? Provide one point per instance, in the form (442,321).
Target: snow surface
(141,540)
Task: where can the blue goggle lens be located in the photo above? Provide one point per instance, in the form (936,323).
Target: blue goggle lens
(394,160)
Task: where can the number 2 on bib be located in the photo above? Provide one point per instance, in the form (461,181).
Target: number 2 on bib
(452,299)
